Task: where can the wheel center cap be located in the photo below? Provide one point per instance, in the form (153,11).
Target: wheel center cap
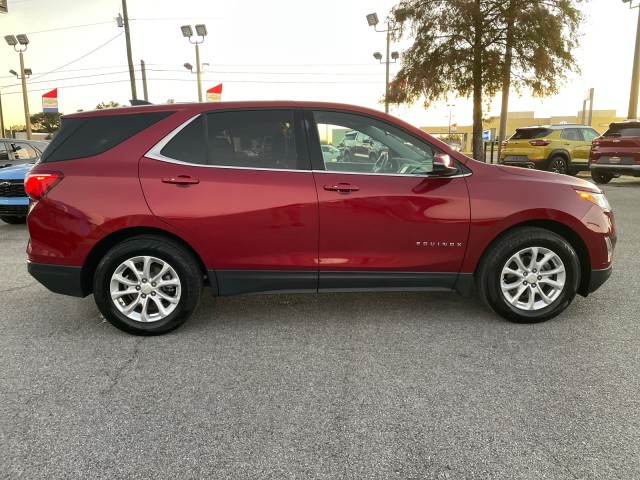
(532,277)
(146,289)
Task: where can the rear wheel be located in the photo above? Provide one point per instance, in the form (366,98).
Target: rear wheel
(13,220)
(601,177)
(147,285)
(558,165)
(529,275)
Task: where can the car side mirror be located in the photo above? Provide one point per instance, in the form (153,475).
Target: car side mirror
(444,165)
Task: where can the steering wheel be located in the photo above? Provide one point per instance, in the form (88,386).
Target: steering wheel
(384,164)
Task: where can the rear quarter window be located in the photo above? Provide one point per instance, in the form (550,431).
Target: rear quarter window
(88,136)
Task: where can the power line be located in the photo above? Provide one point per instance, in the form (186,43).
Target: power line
(79,58)
(70,27)
(266,82)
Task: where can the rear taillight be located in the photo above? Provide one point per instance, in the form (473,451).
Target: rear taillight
(37,185)
(540,143)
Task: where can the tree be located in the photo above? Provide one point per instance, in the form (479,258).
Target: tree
(46,122)
(111,104)
(170,101)
(461,47)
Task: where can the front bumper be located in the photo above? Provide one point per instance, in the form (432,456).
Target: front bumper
(598,277)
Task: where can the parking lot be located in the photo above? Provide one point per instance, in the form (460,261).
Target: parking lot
(376,385)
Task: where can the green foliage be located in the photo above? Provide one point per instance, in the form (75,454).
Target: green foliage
(111,104)
(45,122)
(459,49)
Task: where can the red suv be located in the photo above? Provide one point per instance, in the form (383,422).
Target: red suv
(143,206)
(616,152)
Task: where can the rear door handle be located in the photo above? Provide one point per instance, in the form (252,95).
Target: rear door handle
(181,180)
(342,188)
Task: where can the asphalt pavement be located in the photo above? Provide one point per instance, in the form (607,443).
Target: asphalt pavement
(376,385)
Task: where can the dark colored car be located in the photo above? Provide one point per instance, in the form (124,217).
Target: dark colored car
(358,146)
(143,206)
(616,152)
(562,148)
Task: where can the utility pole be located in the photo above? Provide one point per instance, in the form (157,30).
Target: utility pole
(635,74)
(127,36)
(144,80)
(25,98)
(1,117)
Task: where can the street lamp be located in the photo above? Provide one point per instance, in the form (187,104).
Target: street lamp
(450,105)
(201,31)
(635,73)
(372,20)
(18,42)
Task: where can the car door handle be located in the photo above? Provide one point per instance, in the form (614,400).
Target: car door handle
(342,188)
(181,180)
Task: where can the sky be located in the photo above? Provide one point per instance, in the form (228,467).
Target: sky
(262,50)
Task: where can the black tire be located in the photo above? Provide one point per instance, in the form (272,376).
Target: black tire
(13,220)
(346,156)
(601,177)
(558,164)
(515,243)
(179,297)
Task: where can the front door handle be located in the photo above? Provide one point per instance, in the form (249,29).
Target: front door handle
(181,180)
(342,188)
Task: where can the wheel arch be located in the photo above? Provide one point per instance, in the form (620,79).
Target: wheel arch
(560,153)
(565,232)
(107,243)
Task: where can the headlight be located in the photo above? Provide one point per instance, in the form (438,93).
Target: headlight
(597,198)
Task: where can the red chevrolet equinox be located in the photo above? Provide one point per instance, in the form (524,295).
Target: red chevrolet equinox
(143,206)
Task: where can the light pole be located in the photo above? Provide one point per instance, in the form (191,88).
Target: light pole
(23,41)
(1,117)
(635,74)
(450,105)
(372,19)
(201,31)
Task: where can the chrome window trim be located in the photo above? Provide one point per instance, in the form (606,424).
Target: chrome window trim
(154,152)
(424,175)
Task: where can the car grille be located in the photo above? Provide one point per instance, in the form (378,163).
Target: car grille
(12,188)
(14,209)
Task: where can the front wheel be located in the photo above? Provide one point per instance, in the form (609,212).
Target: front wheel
(601,177)
(147,285)
(529,275)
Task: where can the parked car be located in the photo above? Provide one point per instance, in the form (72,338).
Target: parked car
(616,152)
(144,206)
(358,146)
(562,148)
(14,203)
(15,152)
(330,153)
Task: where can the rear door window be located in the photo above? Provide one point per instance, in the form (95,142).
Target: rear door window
(252,139)
(571,134)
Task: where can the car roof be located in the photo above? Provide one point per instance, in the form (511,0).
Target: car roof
(555,126)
